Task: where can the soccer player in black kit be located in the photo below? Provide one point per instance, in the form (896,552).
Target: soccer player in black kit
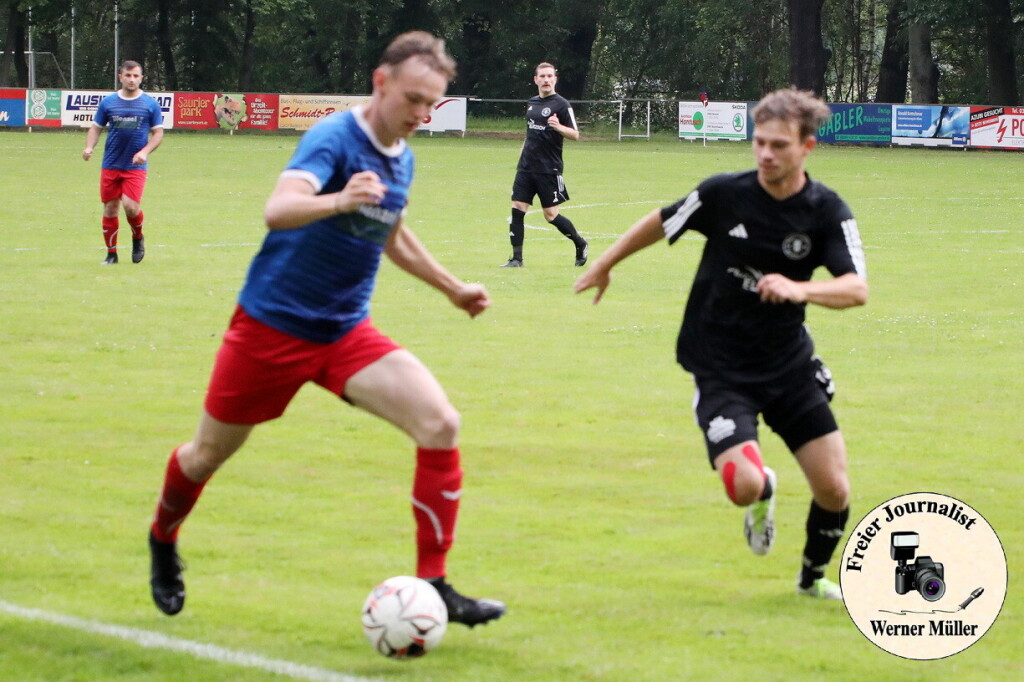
(743,336)
(549,119)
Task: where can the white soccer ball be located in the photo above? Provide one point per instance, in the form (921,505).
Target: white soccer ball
(404,617)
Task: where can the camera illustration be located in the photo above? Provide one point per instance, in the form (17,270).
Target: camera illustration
(923,575)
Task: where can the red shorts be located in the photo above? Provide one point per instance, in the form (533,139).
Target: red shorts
(259,369)
(114,183)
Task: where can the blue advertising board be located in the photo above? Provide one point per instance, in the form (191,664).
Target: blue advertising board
(12,107)
(931,125)
(858,124)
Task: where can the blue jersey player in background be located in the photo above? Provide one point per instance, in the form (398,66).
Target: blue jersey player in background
(303,315)
(136,129)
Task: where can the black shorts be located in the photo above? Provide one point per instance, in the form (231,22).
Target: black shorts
(549,188)
(795,407)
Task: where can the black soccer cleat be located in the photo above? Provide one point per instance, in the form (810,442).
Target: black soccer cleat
(464,610)
(582,250)
(111,258)
(513,263)
(138,249)
(165,576)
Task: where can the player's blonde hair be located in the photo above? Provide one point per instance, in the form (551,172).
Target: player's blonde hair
(789,104)
(544,65)
(424,46)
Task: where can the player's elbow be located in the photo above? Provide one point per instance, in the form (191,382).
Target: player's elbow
(859,292)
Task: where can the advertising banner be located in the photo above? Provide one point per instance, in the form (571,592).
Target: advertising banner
(858,124)
(931,126)
(997,127)
(12,107)
(78,107)
(166,102)
(716,121)
(43,108)
(300,112)
(448,113)
(261,112)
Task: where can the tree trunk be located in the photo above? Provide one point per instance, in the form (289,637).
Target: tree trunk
(163,38)
(476,41)
(248,49)
(808,57)
(999,53)
(924,73)
(13,67)
(892,69)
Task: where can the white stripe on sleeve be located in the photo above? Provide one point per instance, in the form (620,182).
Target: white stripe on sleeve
(675,225)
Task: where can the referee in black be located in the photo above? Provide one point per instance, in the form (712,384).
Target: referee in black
(549,120)
(743,336)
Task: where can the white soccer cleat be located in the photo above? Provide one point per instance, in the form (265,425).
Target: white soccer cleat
(759,522)
(822,588)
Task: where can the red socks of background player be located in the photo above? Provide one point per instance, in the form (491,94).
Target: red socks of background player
(177,498)
(435,504)
(136,224)
(110,228)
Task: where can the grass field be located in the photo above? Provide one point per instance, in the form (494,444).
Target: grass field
(589,505)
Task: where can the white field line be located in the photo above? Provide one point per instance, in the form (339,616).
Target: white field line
(157,640)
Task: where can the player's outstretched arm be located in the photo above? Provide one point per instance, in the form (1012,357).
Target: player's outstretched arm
(646,231)
(294,202)
(407,252)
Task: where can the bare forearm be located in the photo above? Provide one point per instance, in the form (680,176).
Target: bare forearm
(407,252)
(846,291)
(289,211)
(643,233)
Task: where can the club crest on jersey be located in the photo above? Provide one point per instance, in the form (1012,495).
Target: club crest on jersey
(546,111)
(796,246)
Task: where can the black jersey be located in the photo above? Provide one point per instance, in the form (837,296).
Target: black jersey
(727,331)
(542,150)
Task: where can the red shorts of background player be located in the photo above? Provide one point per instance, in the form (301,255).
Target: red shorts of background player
(114,183)
(259,369)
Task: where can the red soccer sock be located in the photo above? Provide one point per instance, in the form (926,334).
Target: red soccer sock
(136,224)
(435,505)
(110,228)
(177,498)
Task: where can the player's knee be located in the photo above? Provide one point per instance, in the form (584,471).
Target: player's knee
(744,483)
(439,428)
(834,493)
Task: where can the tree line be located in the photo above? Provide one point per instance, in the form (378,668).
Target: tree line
(935,51)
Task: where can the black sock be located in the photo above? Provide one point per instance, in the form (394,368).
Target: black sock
(566,227)
(516,233)
(824,529)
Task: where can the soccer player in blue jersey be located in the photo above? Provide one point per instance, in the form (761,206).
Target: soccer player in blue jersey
(136,129)
(743,336)
(303,315)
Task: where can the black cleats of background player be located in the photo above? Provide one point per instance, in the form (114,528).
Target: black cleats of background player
(165,576)
(464,610)
(111,258)
(513,263)
(582,250)
(138,249)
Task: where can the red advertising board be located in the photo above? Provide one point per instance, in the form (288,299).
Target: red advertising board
(194,110)
(261,112)
(230,111)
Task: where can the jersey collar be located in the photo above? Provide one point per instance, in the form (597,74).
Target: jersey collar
(394,150)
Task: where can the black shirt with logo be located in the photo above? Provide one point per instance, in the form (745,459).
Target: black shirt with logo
(542,150)
(727,331)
